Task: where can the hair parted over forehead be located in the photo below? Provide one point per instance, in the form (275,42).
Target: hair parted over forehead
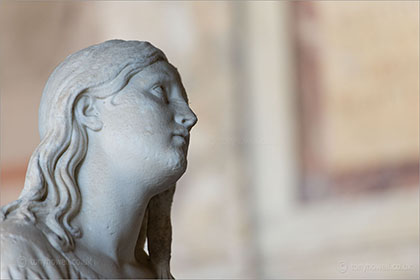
(51,194)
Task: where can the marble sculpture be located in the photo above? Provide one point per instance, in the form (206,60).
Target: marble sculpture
(114,122)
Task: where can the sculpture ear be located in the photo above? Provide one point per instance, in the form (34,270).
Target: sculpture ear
(87,113)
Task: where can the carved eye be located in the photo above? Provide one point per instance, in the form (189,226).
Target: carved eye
(159,92)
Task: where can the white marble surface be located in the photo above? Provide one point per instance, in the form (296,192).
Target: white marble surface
(114,122)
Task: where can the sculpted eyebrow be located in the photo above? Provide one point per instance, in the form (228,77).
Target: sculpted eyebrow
(161,76)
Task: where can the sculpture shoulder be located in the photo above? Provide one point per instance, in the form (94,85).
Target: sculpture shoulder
(26,253)
(19,229)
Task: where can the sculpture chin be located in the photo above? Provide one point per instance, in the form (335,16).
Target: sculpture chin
(178,169)
(179,160)
(166,177)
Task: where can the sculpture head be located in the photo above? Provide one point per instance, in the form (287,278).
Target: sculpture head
(119,97)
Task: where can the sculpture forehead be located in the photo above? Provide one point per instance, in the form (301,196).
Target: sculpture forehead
(164,72)
(162,69)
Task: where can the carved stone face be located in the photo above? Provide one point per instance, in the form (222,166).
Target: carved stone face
(146,126)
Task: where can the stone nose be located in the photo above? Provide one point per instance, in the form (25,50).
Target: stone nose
(186,118)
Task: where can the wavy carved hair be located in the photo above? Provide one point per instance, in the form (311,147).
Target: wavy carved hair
(51,193)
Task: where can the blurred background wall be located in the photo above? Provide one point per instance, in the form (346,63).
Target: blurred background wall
(304,162)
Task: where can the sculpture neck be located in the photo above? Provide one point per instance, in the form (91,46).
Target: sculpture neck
(110,216)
